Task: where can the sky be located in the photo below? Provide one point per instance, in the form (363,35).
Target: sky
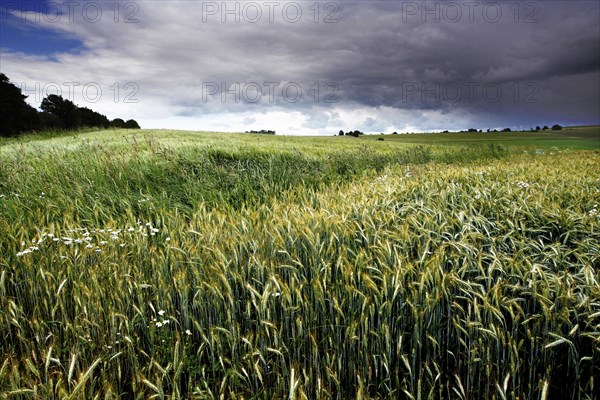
(309,67)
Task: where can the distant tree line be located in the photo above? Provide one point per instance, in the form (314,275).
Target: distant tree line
(355,133)
(16,116)
(262,132)
(555,127)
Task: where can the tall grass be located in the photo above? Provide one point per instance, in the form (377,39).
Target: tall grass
(153,272)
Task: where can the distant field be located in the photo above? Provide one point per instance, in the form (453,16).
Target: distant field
(202,265)
(580,138)
(574,138)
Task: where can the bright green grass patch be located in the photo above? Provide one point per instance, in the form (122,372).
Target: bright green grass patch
(81,179)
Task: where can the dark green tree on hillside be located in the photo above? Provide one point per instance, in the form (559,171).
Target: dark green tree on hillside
(16,115)
(132,124)
(63,109)
(117,123)
(92,118)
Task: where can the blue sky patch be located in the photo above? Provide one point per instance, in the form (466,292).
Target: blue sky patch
(22,33)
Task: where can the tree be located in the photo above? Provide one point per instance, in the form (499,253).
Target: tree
(537,128)
(117,123)
(132,124)
(506,130)
(16,116)
(545,128)
(92,118)
(341,133)
(65,110)
(261,132)
(48,121)
(556,127)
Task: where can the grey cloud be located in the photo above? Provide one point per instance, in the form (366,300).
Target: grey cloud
(375,55)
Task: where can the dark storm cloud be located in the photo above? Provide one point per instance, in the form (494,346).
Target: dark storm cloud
(435,63)
(387,56)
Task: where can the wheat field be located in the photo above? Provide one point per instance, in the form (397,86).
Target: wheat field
(136,266)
